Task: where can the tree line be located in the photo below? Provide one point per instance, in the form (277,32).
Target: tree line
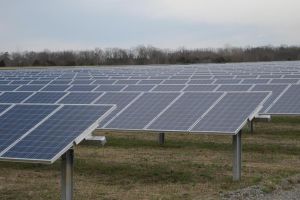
(142,55)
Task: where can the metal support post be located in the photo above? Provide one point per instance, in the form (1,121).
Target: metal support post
(237,156)
(161,138)
(67,175)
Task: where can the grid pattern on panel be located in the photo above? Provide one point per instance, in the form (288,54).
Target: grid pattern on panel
(30,87)
(201,81)
(82,87)
(106,82)
(79,98)
(255,81)
(227,81)
(174,81)
(57,132)
(276,91)
(200,87)
(120,99)
(230,112)
(142,111)
(144,88)
(110,88)
(55,88)
(288,103)
(284,80)
(8,87)
(84,82)
(153,81)
(18,120)
(45,97)
(168,88)
(185,111)
(3,107)
(231,88)
(124,82)
(14,97)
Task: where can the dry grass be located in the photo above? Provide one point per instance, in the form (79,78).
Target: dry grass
(133,166)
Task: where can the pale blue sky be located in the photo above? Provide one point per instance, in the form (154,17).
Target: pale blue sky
(87,24)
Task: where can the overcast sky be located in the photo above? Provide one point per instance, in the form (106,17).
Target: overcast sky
(87,24)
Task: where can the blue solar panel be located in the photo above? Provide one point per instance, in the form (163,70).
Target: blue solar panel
(45,97)
(8,87)
(288,103)
(80,98)
(110,88)
(181,115)
(55,87)
(82,87)
(54,136)
(143,88)
(14,97)
(142,111)
(30,87)
(120,99)
(168,87)
(200,88)
(230,113)
(82,82)
(18,120)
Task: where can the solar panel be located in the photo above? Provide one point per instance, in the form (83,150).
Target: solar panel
(168,88)
(110,88)
(120,99)
(80,98)
(227,81)
(104,82)
(8,87)
(142,111)
(230,113)
(288,103)
(284,80)
(231,88)
(255,81)
(200,87)
(45,97)
(185,111)
(82,87)
(81,82)
(56,88)
(56,135)
(275,89)
(176,81)
(152,81)
(30,88)
(14,97)
(201,81)
(124,82)
(18,120)
(143,88)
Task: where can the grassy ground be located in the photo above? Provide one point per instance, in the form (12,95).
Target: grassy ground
(133,166)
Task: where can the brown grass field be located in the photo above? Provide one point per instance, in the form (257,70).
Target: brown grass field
(134,166)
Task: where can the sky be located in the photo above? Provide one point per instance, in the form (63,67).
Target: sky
(36,25)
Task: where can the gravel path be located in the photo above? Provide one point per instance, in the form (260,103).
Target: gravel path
(288,189)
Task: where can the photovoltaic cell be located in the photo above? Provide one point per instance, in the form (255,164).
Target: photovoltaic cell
(82,87)
(227,81)
(185,111)
(153,81)
(80,98)
(49,140)
(230,113)
(255,81)
(284,80)
(30,87)
(14,97)
(200,88)
(45,97)
(120,99)
(288,103)
(175,81)
(168,87)
(8,87)
(143,88)
(232,88)
(18,120)
(276,91)
(55,87)
(110,88)
(142,111)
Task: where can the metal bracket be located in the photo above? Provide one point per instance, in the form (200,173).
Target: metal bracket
(101,139)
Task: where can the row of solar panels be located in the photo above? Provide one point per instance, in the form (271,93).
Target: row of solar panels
(61,93)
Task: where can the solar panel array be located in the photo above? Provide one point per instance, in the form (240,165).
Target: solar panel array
(44,111)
